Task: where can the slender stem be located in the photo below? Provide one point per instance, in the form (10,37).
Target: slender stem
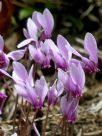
(70,129)
(65,127)
(15,113)
(28,110)
(62,131)
(34,117)
(60,122)
(8,87)
(11,93)
(44,130)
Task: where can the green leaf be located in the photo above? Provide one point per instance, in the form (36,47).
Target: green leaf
(24,13)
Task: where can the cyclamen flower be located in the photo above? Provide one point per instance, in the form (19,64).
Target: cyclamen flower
(4,58)
(73,80)
(39,28)
(2,100)
(45,52)
(31,34)
(54,92)
(4,61)
(90,46)
(69,106)
(56,55)
(34,93)
(44,22)
(61,53)
(89,64)
(41,54)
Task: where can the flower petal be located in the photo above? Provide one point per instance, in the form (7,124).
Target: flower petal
(78,75)
(55,54)
(20,70)
(62,76)
(30,76)
(62,45)
(34,18)
(41,20)
(69,107)
(25,42)
(25,32)
(31,94)
(16,55)
(36,130)
(49,21)
(32,29)
(5,73)
(41,89)
(90,46)
(21,91)
(36,54)
(60,87)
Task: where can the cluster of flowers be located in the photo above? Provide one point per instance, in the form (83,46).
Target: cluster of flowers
(70,80)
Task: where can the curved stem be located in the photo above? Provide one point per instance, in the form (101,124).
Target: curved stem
(44,130)
(15,113)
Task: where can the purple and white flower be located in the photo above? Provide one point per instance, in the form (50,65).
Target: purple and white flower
(69,106)
(73,80)
(54,92)
(39,28)
(33,92)
(90,64)
(44,22)
(5,58)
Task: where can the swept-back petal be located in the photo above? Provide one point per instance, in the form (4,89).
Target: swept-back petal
(25,32)
(32,29)
(41,88)
(77,75)
(16,55)
(55,54)
(60,87)
(49,21)
(21,91)
(36,54)
(51,45)
(52,95)
(62,45)
(20,70)
(63,104)
(25,42)
(34,18)
(62,76)
(41,20)
(30,76)
(31,94)
(69,107)
(90,46)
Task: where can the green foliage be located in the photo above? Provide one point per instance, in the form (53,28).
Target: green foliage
(24,13)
